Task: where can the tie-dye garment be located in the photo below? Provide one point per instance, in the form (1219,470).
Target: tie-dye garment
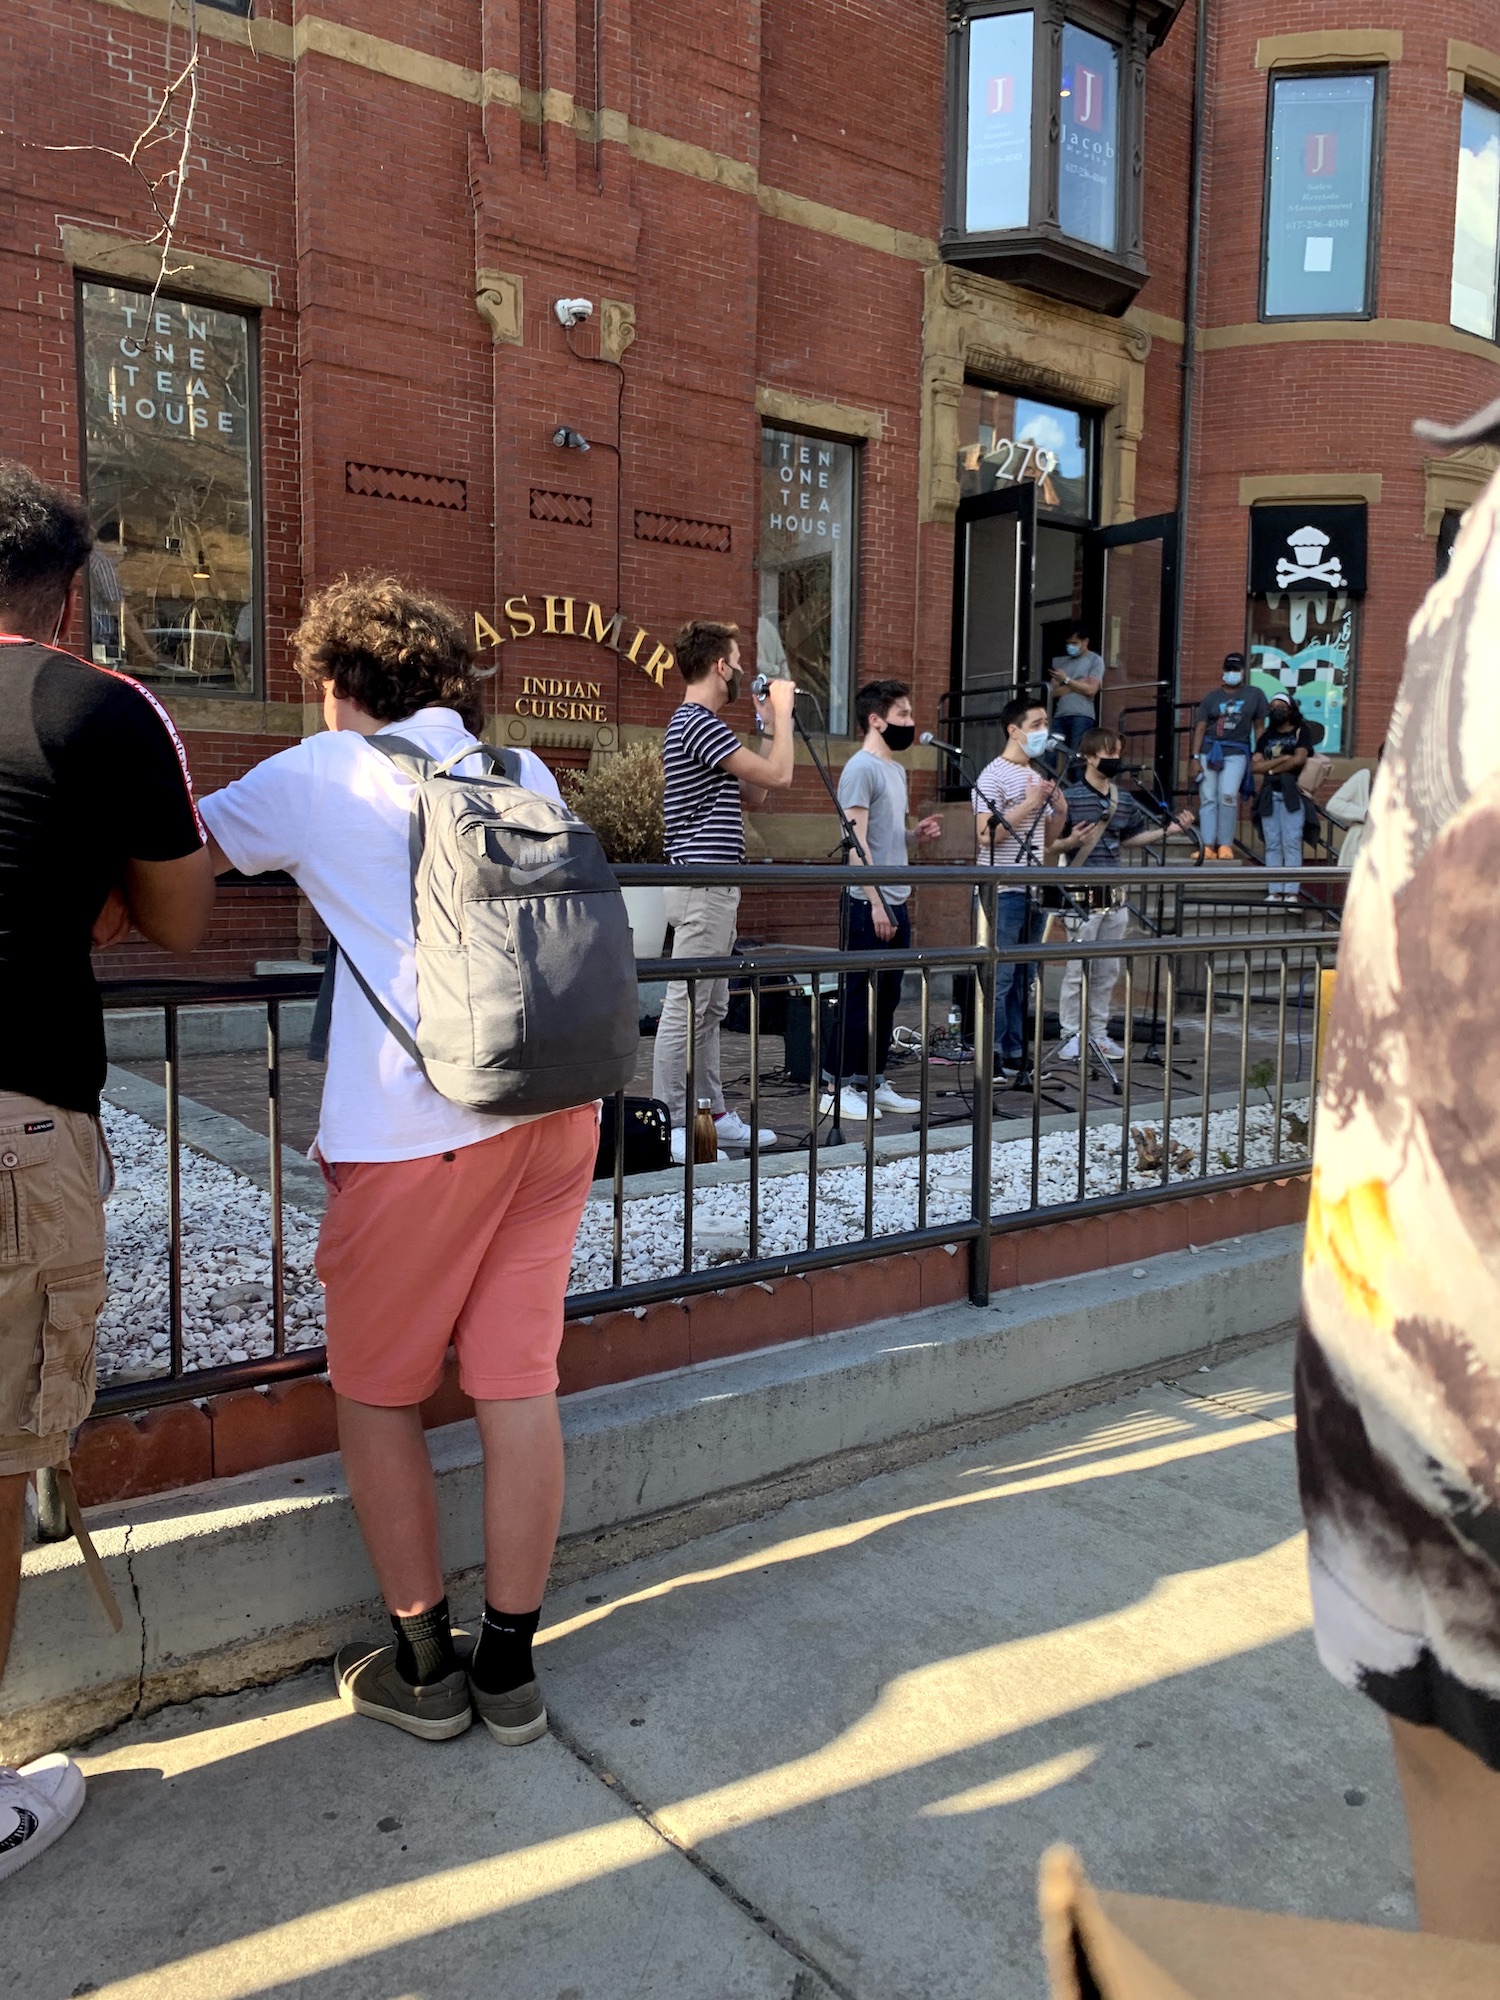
(1398,1368)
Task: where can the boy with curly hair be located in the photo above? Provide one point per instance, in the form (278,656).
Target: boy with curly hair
(443,1224)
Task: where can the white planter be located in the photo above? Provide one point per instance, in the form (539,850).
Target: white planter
(647,910)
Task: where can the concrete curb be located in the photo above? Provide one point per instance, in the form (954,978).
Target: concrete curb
(248,1578)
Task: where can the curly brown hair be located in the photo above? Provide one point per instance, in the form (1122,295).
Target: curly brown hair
(389,648)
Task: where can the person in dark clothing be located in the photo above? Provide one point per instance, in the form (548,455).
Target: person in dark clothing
(97,832)
(1280,809)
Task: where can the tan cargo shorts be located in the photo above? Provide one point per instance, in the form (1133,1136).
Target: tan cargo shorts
(53,1172)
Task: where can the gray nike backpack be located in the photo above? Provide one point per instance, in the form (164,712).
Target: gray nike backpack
(526,992)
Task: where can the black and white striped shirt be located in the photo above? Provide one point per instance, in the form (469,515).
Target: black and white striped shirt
(704,821)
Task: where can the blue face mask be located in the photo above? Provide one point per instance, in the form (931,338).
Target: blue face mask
(1036,742)
(1074,649)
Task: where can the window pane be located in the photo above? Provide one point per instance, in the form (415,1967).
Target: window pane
(1089,143)
(999,156)
(1304,645)
(167,429)
(1318,203)
(1476,228)
(807,567)
(1009,440)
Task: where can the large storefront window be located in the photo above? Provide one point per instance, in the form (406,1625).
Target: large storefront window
(1010,440)
(1476,223)
(1319,203)
(169,442)
(1307,577)
(807,566)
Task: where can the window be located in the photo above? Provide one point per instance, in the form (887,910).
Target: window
(1307,576)
(808,495)
(1009,440)
(1045,100)
(1448,527)
(1088,180)
(1319,199)
(1476,223)
(170,480)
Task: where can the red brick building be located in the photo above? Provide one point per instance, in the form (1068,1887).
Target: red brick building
(888,358)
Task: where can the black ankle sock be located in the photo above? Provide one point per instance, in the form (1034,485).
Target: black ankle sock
(424,1646)
(502,1652)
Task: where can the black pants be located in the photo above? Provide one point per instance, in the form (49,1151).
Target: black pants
(857,1065)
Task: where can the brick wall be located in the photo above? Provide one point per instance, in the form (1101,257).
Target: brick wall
(369,199)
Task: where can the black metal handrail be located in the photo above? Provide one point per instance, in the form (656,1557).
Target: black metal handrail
(1184,978)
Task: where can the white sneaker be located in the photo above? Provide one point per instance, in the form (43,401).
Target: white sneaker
(733,1131)
(1109,1048)
(38,1803)
(1070,1051)
(679,1148)
(852,1107)
(888,1098)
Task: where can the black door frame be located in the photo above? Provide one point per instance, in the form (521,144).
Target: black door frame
(1161,528)
(1020,501)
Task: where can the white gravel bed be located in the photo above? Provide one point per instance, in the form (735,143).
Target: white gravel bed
(226,1260)
(721,1215)
(226,1269)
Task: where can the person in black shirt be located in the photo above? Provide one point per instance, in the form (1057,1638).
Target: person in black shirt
(1280,808)
(97,832)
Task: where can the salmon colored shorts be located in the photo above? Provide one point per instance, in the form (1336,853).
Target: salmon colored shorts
(471,1248)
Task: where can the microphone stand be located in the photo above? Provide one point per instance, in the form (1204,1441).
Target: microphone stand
(849,845)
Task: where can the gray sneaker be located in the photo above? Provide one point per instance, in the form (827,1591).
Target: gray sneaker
(517,1716)
(365,1675)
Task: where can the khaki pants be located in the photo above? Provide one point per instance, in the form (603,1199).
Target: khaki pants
(52,1165)
(703,923)
(1099,927)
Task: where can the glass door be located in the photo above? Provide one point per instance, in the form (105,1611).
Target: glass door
(994,585)
(1134,582)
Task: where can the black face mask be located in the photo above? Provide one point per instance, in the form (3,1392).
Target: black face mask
(1281,718)
(736,682)
(1109,767)
(900,736)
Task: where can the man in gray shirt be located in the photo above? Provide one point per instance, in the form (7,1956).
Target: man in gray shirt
(872,791)
(1077,679)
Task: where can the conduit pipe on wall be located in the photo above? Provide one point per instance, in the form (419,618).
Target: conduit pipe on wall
(1190,325)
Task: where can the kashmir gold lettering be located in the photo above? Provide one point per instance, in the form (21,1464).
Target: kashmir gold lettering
(593,624)
(485,633)
(658,664)
(635,646)
(522,620)
(552,628)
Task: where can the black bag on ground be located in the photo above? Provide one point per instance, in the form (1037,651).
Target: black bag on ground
(648,1138)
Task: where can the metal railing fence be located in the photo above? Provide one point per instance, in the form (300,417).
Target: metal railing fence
(1184,1109)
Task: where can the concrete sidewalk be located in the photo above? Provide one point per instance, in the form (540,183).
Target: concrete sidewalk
(815,1754)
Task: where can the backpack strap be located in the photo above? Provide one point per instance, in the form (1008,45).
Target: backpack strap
(317,1040)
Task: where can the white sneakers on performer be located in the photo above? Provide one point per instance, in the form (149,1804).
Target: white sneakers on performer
(888,1098)
(679,1147)
(852,1106)
(733,1131)
(1070,1051)
(38,1803)
(1108,1047)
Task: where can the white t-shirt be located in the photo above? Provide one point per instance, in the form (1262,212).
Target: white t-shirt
(335,814)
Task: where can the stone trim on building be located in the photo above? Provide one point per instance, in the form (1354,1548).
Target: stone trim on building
(783,406)
(1454,484)
(133,262)
(1469,63)
(1328,48)
(980,325)
(1312,486)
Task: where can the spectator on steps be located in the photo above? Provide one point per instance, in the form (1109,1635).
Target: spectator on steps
(444,1224)
(97,832)
(1228,717)
(1281,810)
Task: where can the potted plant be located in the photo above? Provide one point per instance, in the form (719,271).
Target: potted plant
(623,799)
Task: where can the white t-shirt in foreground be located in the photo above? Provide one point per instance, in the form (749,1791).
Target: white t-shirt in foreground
(336,814)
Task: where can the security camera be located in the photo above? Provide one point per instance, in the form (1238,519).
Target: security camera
(571,311)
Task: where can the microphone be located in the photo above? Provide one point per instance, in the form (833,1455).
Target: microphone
(761,684)
(937,743)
